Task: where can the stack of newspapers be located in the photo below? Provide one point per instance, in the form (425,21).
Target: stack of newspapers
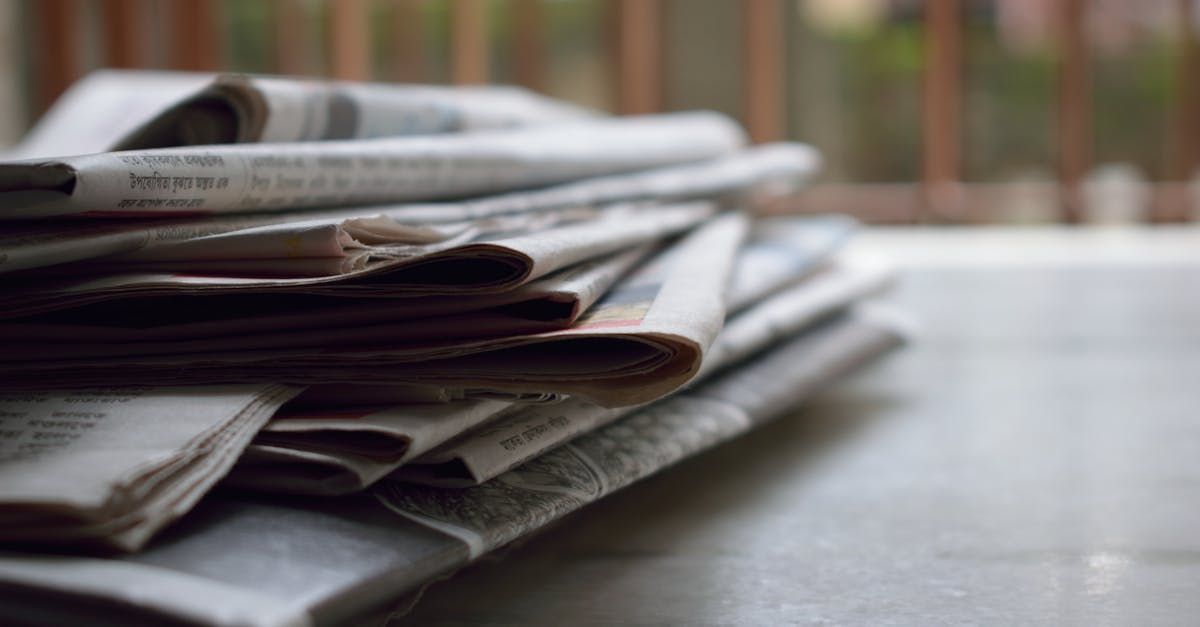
(396,326)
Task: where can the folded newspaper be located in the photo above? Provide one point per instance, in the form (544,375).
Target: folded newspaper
(236,108)
(552,302)
(129,109)
(344,450)
(763,170)
(242,178)
(456,313)
(770,305)
(490,256)
(642,340)
(250,561)
(514,438)
(112,466)
(416,443)
(99,110)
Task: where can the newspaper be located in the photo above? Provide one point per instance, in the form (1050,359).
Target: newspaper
(133,109)
(780,252)
(238,108)
(761,170)
(338,396)
(783,251)
(245,178)
(486,256)
(552,302)
(643,339)
(532,495)
(113,466)
(253,561)
(321,451)
(100,109)
(484,453)
(342,440)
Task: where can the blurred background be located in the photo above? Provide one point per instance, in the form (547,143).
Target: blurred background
(936,111)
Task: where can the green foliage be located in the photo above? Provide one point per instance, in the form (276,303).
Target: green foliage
(248,35)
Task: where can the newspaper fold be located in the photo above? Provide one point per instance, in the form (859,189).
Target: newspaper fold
(780,252)
(488,256)
(756,171)
(113,466)
(338,396)
(237,108)
(314,451)
(553,302)
(547,487)
(341,440)
(101,108)
(480,455)
(284,177)
(643,339)
(254,561)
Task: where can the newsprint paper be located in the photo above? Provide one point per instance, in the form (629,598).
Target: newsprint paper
(643,339)
(100,109)
(760,171)
(113,466)
(237,108)
(552,302)
(487,257)
(131,109)
(513,439)
(339,448)
(240,178)
(240,560)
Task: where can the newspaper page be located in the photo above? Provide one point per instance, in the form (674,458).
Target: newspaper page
(237,108)
(780,252)
(552,302)
(322,451)
(98,110)
(482,454)
(349,437)
(643,339)
(161,325)
(243,178)
(250,560)
(756,171)
(783,251)
(832,288)
(489,256)
(113,466)
(532,495)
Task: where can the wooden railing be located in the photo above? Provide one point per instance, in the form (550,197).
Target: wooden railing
(636,35)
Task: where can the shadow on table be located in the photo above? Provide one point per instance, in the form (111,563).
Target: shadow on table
(692,508)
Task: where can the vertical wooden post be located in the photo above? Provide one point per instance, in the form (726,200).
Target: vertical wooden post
(408,42)
(1175,203)
(349,41)
(638,51)
(468,42)
(290,26)
(1074,109)
(762,69)
(58,49)
(528,48)
(942,108)
(194,35)
(124,33)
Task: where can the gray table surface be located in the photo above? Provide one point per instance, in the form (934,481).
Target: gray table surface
(1033,457)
